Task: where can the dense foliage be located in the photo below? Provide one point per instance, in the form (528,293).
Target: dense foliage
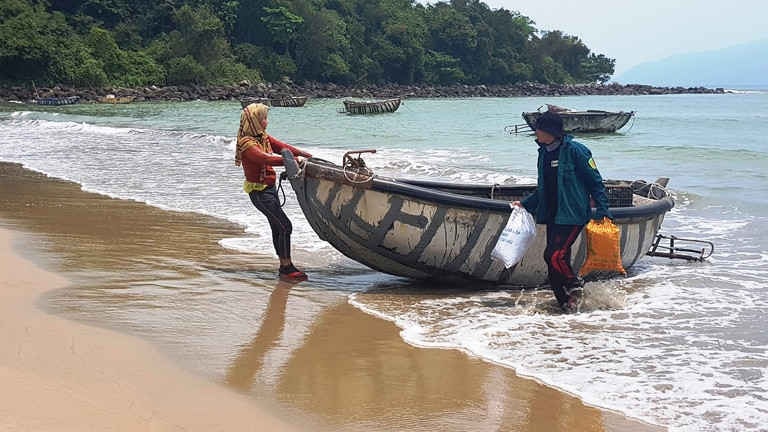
(141,42)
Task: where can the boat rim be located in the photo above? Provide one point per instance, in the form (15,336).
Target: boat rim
(364,102)
(428,190)
(583,113)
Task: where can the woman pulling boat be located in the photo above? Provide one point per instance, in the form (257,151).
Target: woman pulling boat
(255,151)
(568,176)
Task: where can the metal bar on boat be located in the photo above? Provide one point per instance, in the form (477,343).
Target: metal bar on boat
(673,251)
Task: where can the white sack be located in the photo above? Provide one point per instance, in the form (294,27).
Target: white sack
(516,238)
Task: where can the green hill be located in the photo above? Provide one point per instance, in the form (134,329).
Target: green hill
(92,43)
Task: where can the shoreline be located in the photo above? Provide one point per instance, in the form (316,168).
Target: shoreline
(643,422)
(321,378)
(329,90)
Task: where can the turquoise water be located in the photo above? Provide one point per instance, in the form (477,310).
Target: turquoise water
(677,344)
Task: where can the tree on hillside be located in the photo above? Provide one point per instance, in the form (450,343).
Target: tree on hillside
(281,25)
(574,57)
(597,68)
(198,52)
(323,48)
(137,42)
(38,45)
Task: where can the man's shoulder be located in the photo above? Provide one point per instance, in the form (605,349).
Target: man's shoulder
(577,147)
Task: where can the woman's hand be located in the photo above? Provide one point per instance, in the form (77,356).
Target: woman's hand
(517,204)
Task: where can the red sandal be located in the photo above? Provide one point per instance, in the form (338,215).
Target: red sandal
(290,273)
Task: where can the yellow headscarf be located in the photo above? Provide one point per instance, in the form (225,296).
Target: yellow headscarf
(251,132)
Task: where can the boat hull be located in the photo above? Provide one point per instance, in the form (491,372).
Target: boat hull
(69,100)
(413,231)
(286,102)
(586,121)
(376,107)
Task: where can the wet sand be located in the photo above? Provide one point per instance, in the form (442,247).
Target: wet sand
(58,375)
(221,331)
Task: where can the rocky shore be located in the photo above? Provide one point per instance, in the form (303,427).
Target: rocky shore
(327,90)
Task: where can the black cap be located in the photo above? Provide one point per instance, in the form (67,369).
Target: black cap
(550,123)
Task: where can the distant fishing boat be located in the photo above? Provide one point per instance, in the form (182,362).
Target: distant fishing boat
(371,107)
(583,121)
(112,99)
(446,231)
(287,102)
(69,100)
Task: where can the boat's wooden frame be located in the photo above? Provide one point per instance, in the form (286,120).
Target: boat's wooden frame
(371,107)
(56,101)
(283,102)
(442,231)
(585,121)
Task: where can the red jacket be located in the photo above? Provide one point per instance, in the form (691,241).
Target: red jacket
(257,164)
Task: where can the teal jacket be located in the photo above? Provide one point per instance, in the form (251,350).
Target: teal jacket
(577,180)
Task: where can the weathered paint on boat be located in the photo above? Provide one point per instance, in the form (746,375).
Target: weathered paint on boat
(286,102)
(69,100)
(371,107)
(586,121)
(428,230)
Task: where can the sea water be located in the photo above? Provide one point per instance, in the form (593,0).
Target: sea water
(678,344)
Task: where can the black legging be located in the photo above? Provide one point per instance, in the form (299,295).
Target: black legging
(560,238)
(268,203)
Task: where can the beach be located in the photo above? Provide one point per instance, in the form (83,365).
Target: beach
(352,372)
(140,208)
(59,375)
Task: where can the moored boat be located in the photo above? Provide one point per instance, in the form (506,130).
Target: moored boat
(584,121)
(286,102)
(112,99)
(371,107)
(446,231)
(69,100)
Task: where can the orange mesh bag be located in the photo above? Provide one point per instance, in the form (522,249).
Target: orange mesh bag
(603,248)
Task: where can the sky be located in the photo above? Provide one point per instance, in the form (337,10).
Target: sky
(634,32)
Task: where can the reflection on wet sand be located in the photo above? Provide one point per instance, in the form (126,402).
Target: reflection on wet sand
(163,276)
(353,370)
(249,361)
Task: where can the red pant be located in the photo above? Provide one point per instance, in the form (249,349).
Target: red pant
(560,238)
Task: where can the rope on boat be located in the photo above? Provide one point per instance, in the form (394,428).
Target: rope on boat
(283,176)
(354,168)
(634,117)
(493,189)
(652,187)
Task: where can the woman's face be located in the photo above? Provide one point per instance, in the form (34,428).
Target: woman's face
(264,122)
